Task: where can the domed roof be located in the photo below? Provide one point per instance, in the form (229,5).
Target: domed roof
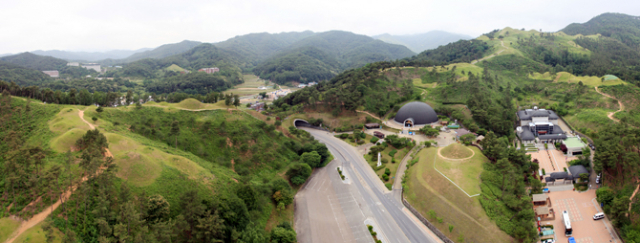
(419,112)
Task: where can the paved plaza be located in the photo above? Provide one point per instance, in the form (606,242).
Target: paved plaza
(581,207)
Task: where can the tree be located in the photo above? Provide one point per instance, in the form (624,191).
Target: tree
(312,158)
(210,227)
(94,119)
(47,227)
(467,139)
(299,173)
(227,100)
(283,235)
(236,100)
(129,97)
(99,109)
(157,209)
(175,130)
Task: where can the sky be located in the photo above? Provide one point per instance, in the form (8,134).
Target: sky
(98,25)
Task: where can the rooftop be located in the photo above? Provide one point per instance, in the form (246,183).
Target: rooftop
(542,210)
(574,142)
(540,197)
(528,114)
(576,170)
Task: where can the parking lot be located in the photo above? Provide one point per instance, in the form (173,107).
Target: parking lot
(581,206)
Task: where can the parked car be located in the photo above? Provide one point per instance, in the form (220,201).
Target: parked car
(598,216)
(598,178)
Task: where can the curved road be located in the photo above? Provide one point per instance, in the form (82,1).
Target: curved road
(366,198)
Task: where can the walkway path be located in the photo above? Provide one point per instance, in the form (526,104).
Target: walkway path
(33,221)
(492,55)
(633,195)
(610,115)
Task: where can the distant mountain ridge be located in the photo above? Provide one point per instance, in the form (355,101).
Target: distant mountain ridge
(622,27)
(323,55)
(89,56)
(425,41)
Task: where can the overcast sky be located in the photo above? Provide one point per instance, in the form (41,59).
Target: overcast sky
(98,25)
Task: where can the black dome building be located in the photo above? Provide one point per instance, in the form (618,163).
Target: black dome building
(416,113)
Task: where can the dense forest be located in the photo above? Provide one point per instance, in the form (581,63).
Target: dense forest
(365,86)
(157,53)
(459,51)
(324,55)
(22,76)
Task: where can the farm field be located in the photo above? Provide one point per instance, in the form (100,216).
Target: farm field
(435,197)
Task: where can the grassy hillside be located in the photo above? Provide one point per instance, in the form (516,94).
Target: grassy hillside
(232,178)
(44,63)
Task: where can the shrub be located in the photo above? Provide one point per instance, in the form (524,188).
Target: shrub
(440,220)
(248,105)
(361,141)
(363,135)
(384,160)
(543,172)
(94,119)
(268,118)
(387,171)
(385,177)
(432,214)
(278,123)
(393,160)
(100,109)
(393,152)
(374,139)
(344,135)
(389,186)
(115,123)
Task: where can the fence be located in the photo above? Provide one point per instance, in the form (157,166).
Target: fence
(425,221)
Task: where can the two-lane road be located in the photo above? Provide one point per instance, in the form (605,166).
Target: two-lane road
(367,199)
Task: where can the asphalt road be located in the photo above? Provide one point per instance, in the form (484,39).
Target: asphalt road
(362,197)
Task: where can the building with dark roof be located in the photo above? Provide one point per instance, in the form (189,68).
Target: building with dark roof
(576,170)
(415,113)
(541,124)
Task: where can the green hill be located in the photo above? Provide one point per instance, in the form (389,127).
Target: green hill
(622,27)
(255,48)
(324,55)
(163,51)
(22,76)
(44,63)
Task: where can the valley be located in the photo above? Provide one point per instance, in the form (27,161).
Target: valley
(328,137)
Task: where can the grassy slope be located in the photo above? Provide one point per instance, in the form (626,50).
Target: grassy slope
(393,167)
(427,190)
(464,172)
(7,226)
(570,78)
(36,234)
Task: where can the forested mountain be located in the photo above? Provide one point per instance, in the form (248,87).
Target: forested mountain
(324,55)
(425,41)
(254,48)
(22,76)
(89,56)
(162,51)
(622,27)
(36,62)
(43,63)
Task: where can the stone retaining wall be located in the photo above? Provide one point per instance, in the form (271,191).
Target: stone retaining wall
(426,222)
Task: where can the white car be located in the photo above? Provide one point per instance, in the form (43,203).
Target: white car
(598,178)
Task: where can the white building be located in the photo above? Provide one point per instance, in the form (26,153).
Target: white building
(94,66)
(74,64)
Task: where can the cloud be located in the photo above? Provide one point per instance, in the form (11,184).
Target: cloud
(130,24)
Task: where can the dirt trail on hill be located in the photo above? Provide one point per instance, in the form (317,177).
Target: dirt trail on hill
(492,55)
(36,219)
(610,115)
(633,195)
(372,115)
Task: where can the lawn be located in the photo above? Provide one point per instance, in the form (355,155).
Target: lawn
(393,167)
(427,191)
(36,234)
(460,167)
(7,227)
